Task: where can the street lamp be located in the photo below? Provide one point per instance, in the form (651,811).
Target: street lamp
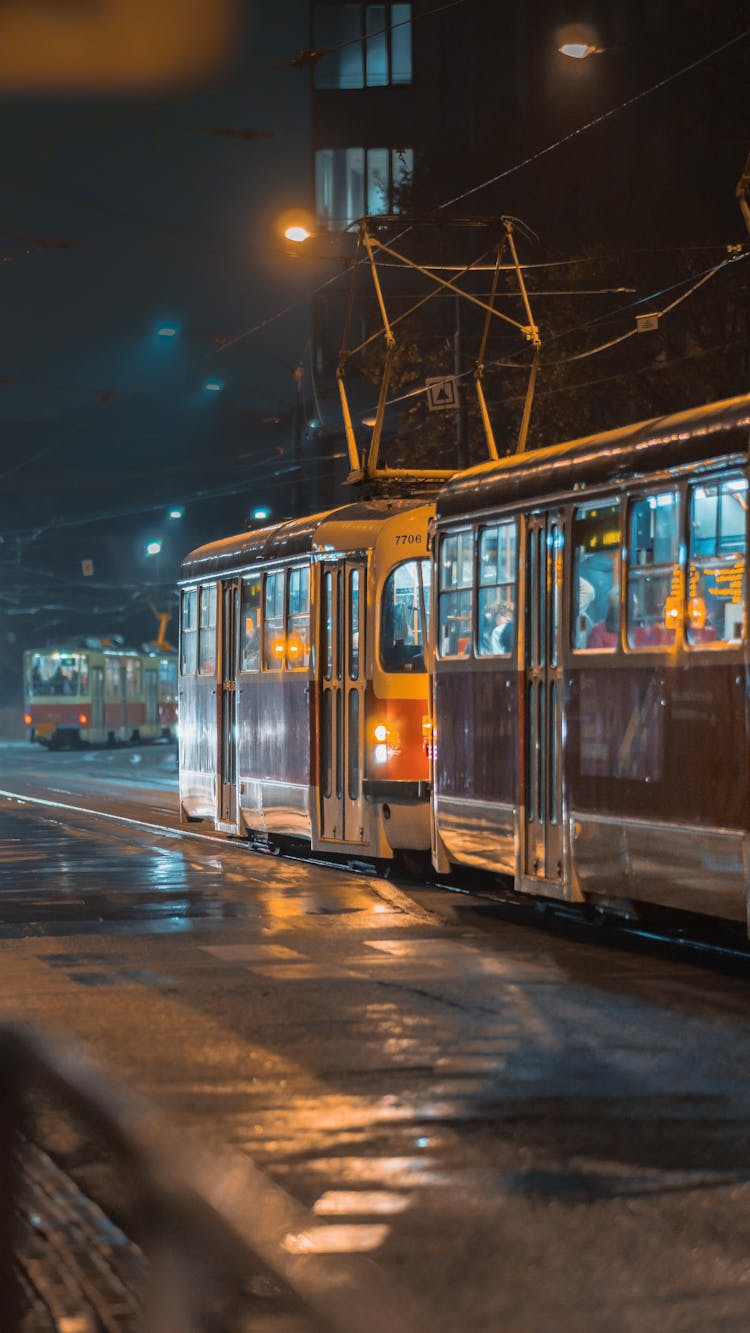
(167,331)
(213,386)
(153,548)
(175,513)
(578,42)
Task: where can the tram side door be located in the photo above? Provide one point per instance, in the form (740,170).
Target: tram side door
(227,785)
(97,698)
(542,766)
(341,739)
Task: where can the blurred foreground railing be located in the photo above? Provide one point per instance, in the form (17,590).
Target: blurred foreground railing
(191,1211)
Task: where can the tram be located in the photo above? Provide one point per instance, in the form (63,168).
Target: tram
(590,713)
(303,689)
(92,695)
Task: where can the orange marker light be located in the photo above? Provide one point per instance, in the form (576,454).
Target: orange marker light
(27,719)
(82,718)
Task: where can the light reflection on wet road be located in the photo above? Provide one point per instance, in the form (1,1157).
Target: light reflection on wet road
(536,1132)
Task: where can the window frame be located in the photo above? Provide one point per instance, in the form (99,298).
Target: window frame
(699,563)
(496,586)
(303,663)
(620,502)
(189,633)
(248,582)
(675,637)
(334,163)
(455,590)
(391,33)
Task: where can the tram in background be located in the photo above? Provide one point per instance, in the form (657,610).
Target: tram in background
(591,725)
(95,695)
(303,690)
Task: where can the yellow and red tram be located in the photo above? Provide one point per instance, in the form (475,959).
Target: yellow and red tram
(303,687)
(591,673)
(83,695)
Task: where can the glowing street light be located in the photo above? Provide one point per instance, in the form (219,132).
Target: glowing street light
(260,514)
(213,386)
(175,513)
(153,548)
(578,42)
(167,331)
(579,51)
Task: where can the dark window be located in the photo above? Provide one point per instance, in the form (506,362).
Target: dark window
(250,636)
(366,46)
(352,182)
(716,556)
(207,631)
(496,597)
(406,592)
(595,614)
(654,576)
(456,594)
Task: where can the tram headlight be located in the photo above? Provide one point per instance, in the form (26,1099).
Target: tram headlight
(381,754)
(381,732)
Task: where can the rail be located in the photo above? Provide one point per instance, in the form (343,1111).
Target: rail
(190,1209)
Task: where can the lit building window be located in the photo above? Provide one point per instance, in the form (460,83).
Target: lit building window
(353,182)
(367,46)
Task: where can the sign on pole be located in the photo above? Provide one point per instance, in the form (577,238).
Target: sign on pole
(442,393)
(87,568)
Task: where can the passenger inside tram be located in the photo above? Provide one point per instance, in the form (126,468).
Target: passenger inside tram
(605,633)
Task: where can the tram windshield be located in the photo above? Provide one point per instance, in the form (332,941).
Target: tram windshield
(405,612)
(56,673)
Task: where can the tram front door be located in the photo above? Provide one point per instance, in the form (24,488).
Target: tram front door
(227,757)
(341,740)
(542,759)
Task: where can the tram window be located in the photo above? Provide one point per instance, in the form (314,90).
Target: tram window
(189,632)
(250,612)
(328,625)
(273,622)
(496,597)
(405,591)
(456,594)
(57,673)
(112,678)
(352,760)
(298,620)
(654,581)
(133,678)
(716,556)
(207,631)
(354,624)
(595,619)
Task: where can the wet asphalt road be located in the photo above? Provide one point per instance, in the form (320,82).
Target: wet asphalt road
(531,1130)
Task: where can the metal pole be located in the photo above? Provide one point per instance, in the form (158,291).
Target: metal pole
(462,454)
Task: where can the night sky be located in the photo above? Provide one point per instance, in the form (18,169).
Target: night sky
(115,216)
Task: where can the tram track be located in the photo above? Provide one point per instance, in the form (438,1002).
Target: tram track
(591,924)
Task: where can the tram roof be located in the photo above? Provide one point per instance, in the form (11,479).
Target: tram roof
(351,527)
(645,446)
